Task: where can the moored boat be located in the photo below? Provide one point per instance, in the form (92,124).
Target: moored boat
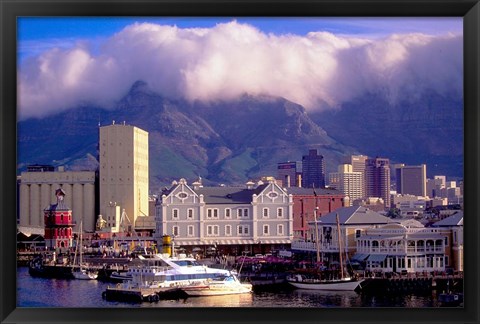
(450,299)
(345,283)
(164,275)
(82,272)
(85,274)
(342,283)
(228,285)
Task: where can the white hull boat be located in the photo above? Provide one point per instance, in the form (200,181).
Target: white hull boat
(223,286)
(161,271)
(84,274)
(343,283)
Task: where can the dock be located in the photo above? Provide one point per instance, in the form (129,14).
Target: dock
(138,295)
(413,283)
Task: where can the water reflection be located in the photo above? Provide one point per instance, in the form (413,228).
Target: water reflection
(242,300)
(38,292)
(328,298)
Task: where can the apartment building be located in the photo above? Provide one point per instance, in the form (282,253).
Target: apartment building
(255,218)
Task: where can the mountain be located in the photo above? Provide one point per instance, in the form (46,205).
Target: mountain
(223,142)
(426,130)
(233,141)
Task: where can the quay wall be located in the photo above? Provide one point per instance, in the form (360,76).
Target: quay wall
(409,285)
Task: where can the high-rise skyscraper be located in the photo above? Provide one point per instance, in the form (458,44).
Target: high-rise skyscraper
(348,182)
(411,179)
(377,179)
(287,174)
(358,163)
(123,173)
(313,170)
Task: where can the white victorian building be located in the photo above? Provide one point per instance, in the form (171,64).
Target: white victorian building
(254,218)
(406,247)
(383,244)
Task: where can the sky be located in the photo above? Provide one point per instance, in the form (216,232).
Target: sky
(317,62)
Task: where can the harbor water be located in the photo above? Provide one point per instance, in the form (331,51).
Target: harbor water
(40,292)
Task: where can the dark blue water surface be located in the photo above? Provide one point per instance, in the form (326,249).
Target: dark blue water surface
(39,292)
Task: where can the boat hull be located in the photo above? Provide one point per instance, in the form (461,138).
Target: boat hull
(199,291)
(84,275)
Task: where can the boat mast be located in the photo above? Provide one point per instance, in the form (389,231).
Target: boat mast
(316,234)
(340,253)
(81,244)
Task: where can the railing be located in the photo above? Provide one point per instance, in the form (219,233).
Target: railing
(401,250)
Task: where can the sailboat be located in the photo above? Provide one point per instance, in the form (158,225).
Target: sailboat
(82,272)
(343,283)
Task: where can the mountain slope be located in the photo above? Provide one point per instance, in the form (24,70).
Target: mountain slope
(428,130)
(224,142)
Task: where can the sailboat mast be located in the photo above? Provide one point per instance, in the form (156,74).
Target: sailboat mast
(316,234)
(81,244)
(340,248)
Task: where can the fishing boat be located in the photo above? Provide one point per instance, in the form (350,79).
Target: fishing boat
(81,271)
(343,282)
(227,285)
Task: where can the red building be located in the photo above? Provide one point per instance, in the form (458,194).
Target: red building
(304,202)
(58,224)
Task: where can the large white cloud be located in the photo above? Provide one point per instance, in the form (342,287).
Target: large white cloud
(232,59)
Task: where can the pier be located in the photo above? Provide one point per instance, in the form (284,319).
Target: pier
(141,294)
(415,282)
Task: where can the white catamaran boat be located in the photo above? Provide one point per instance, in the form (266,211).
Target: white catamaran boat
(82,272)
(163,271)
(345,283)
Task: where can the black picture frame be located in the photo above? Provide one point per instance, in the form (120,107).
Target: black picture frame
(10,10)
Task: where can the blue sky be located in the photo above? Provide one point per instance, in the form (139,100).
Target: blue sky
(36,34)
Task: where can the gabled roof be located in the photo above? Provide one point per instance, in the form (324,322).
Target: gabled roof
(454,220)
(411,223)
(354,215)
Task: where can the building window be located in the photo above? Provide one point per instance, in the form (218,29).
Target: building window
(228,213)
(245,212)
(358,233)
(175,230)
(280,212)
(190,213)
(212,213)
(280,229)
(239,212)
(190,230)
(175,213)
(265,213)
(266,230)
(242,230)
(212,230)
(228,230)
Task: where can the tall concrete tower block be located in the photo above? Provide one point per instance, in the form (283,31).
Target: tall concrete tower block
(123,172)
